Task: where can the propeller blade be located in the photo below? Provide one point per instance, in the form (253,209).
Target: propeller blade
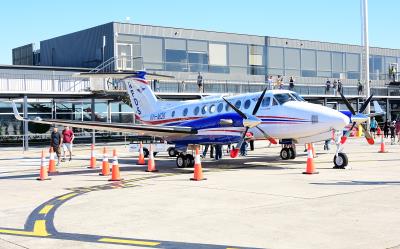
(347,104)
(344,138)
(368,136)
(366,104)
(240,143)
(272,140)
(244,116)
(259,101)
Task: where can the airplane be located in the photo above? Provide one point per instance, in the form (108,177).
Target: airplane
(270,115)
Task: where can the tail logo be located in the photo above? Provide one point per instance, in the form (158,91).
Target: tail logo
(134,101)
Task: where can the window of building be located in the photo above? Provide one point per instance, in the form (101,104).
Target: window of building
(292,62)
(337,62)
(375,66)
(308,63)
(238,55)
(197,56)
(256,60)
(152,52)
(175,55)
(196,110)
(275,57)
(217,58)
(324,62)
(247,104)
(220,107)
(352,62)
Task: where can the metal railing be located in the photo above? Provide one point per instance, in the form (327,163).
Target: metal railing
(42,83)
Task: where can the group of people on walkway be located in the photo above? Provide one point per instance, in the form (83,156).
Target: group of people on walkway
(278,82)
(64,141)
(388,126)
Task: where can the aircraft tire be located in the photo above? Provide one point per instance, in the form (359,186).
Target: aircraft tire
(341,161)
(286,154)
(190,160)
(172,152)
(181,161)
(146,152)
(293,153)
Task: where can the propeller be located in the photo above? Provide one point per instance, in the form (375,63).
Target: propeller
(250,121)
(358,118)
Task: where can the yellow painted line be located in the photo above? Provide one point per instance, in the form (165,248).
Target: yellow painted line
(39,229)
(129,241)
(46,209)
(64,197)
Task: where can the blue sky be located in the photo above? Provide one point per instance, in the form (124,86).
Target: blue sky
(23,22)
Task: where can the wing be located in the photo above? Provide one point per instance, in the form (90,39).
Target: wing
(150,130)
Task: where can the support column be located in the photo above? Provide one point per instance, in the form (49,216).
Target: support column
(108,111)
(93,118)
(388,114)
(25,107)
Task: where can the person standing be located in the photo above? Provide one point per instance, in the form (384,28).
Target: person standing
(334,87)
(373,125)
(359,87)
(67,138)
(200,83)
(270,82)
(392,128)
(340,86)
(291,83)
(55,143)
(218,152)
(386,129)
(398,130)
(327,86)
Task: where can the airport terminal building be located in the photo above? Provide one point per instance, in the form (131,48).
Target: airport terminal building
(228,63)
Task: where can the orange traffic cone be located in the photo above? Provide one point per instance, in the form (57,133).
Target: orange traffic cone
(151,165)
(310,162)
(198,171)
(43,171)
(141,155)
(105,170)
(92,158)
(115,168)
(382,150)
(52,162)
(313,151)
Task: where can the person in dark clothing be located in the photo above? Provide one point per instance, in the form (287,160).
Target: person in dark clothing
(359,87)
(327,86)
(206,150)
(386,129)
(340,86)
(218,151)
(392,128)
(243,151)
(200,83)
(291,83)
(251,142)
(55,143)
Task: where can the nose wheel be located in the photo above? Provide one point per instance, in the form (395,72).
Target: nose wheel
(340,160)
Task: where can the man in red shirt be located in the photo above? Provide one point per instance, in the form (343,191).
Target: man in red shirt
(67,138)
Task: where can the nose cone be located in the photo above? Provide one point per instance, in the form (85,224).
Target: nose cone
(339,121)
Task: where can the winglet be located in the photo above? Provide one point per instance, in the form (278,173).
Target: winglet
(16,114)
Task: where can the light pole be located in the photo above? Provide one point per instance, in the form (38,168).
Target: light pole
(364,6)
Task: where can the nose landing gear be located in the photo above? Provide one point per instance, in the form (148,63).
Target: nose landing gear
(288,152)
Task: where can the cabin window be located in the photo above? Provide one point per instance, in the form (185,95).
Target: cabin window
(274,102)
(266,101)
(220,107)
(185,112)
(238,104)
(227,108)
(196,110)
(284,97)
(247,104)
(173,114)
(204,109)
(212,108)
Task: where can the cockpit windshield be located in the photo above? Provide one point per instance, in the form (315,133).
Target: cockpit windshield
(284,97)
(296,96)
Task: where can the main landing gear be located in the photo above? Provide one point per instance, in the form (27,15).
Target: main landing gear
(288,152)
(184,160)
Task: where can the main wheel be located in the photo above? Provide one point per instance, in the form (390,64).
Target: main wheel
(340,161)
(172,152)
(146,152)
(285,154)
(190,160)
(181,161)
(293,153)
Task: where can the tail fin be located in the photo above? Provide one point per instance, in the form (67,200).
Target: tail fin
(142,97)
(378,109)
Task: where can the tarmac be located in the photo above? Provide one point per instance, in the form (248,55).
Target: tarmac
(258,201)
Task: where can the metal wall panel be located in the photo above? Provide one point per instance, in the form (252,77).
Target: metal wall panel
(79,49)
